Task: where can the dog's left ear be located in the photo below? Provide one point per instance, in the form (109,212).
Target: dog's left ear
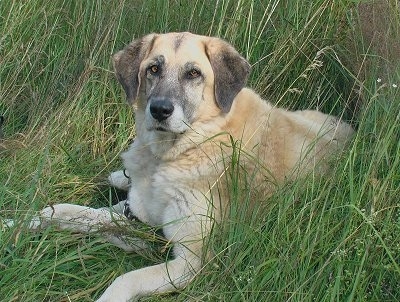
(230,71)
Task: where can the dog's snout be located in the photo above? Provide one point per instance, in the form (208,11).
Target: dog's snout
(161,109)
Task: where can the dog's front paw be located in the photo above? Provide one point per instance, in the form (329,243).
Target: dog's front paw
(120,179)
(121,290)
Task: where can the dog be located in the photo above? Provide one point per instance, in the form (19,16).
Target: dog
(191,106)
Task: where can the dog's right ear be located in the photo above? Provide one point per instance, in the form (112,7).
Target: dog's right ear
(127,64)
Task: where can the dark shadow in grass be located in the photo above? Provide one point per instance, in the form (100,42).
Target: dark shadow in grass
(107,195)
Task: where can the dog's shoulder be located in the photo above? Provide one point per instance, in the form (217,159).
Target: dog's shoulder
(248,116)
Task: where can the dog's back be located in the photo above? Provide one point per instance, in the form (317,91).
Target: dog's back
(286,142)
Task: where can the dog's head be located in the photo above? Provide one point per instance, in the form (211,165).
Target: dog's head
(175,75)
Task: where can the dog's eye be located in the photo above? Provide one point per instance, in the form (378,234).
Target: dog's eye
(154,69)
(193,73)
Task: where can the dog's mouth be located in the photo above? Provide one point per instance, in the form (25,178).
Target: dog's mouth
(162,129)
(167,130)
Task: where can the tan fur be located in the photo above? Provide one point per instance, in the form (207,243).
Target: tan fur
(178,161)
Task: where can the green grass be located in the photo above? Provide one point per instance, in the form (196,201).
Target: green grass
(330,238)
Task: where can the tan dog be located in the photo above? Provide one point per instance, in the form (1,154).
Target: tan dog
(190,105)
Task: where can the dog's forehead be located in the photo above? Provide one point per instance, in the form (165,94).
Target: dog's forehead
(178,48)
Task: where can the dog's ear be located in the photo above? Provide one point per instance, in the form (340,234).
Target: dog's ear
(127,64)
(230,71)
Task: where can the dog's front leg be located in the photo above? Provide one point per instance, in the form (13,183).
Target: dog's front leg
(73,217)
(120,179)
(161,278)
(86,220)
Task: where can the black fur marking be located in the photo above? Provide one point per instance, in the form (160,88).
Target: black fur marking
(128,213)
(178,42)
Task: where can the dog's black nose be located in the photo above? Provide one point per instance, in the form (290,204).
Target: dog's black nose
(161,109)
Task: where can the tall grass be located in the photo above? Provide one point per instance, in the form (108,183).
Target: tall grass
(330,238)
